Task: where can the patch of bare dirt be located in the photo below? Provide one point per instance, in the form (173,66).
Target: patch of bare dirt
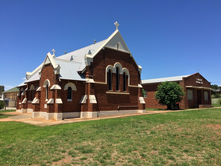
(66,160)
(214,126)
(154,152)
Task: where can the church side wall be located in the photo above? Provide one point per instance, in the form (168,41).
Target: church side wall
(118,99)
(46,73)
(74,105)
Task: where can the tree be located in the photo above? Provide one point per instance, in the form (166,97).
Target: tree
(214,86)
(169,93)
(2,89)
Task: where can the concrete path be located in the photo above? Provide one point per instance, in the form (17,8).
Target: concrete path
(27,117)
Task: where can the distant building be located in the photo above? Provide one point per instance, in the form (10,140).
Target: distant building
(10,97)
(196,87)
(11,94)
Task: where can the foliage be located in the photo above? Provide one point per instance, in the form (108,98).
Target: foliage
(2,89)
(180,138)
(169,93)
(219,102)
(2,104)
(214,86)
(216,95)
(144,93)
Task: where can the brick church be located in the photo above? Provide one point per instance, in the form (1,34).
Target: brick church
(97,80)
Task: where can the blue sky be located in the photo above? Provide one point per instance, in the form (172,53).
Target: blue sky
(166,37)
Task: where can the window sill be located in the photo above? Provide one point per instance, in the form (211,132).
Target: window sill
(118,93)
(69,99)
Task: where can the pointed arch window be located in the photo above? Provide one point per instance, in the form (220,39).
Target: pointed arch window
(117,78)
(46,96)
(69,93)
(109,80)
(124,82)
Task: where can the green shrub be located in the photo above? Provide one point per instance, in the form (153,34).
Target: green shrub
(219,102)
(2,104)
(217,95)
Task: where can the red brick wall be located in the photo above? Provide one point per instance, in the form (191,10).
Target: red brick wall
(107,101)
(110,57)
(46,73)
(74,105)
(150,101)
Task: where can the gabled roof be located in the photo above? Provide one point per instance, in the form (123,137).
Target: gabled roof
(158,80)
(71,64)
(15,89)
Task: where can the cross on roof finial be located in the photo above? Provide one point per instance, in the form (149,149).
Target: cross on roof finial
(116,23)
(53,50)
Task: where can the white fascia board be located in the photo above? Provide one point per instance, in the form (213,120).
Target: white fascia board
(30,74)
(103,45)
(52,62)
(89,58)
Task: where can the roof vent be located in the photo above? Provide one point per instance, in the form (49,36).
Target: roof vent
(65,52)
(94,41)
(71,59)
(89,52)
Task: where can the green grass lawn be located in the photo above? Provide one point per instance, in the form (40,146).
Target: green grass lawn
(216,105)
(177,138)
(5,116)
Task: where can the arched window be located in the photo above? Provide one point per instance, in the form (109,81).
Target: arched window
(46,85)
(46,96)
(117,78)
(69,93)
(32,89)
(124,82)
(109,80)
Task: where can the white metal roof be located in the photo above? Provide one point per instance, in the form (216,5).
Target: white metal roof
(78,55)
(69,70)
(157,80)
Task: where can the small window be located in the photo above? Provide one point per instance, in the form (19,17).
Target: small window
(206,95)
(109,80)
(69,93)
(190,94)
